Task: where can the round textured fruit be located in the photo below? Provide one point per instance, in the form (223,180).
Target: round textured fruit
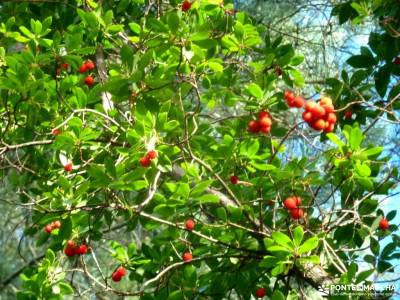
(253,126)
(307,116)
(297,213)
(145,161)
(57,224)
(265,129)
(190,224)
(48,228)
(89,65)
(81,250)
(55,131)
(383,224)
(310,106)
(89,80)
(331,118)
(325,100)
(297,200)
(265,122)
(289,96)
(348,114)
(318,111)
(116,277)
(298,102)
(186,5)
(70,243)
(152,154)
(319,124)
(290,203)
(329,108)
(187,256)
(83,69)
(260,293)
(234,179)
(121,271)
(263,114)
(69,251)
(68,167)
(329,128)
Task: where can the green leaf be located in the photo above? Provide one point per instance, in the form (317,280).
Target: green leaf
(282,239)
(277,295)
(65,229)
(255,90)
(355,138)
(208,198)
(173,22)
(361,61)
(298,234)
(309,245)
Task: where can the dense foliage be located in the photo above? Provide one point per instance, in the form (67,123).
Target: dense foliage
(157,150)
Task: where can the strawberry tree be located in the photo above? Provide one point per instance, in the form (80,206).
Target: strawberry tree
(156,152)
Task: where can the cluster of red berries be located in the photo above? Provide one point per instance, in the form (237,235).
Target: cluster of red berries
(320,115)
(186,5)
(53,225)
(190,224)
(118,274)
(384,224)
(145,161)
(263,124)
(294,101)
(68,167)
(292,204)
(87,66)
(260,292)
(187,256)
(71,249)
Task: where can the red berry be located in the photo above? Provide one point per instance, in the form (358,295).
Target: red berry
(190,224)
(89,65)
(319,111)
(89,80)
(397,60)
(253,126)
(260,293)
(48,228)
(329,108)
(145,161)
(329,128)
(116,276)
(289,96)
(298,102)
(83,69)
(187,256)
(307,116)
(151,154)
(383,224)
(310,106)
(319,124)
(290,203)
(331,118)
(121,271)
(298,200)
(348,114)
(265,122)
(81,249)
(70,243)
(57,224)
(186,5)
(325,100)
(55,131)
(65,66)
(265,129)
(68,167)
(234,179)
(297,213)
(69,251)
(263,114)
